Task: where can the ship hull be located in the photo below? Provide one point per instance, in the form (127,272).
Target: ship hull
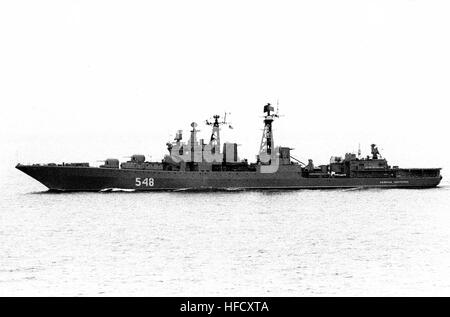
(66,178)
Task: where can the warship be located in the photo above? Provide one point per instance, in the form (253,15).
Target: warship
(199,165)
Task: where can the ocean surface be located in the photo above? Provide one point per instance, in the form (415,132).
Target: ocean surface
(276,243)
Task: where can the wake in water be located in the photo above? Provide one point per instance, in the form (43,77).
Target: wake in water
(356,189)
(117,190)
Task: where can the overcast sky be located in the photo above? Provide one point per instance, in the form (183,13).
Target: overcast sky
(86,80)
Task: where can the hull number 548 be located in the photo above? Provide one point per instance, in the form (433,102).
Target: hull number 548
(145,182)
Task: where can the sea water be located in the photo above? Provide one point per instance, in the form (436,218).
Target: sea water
(252,243)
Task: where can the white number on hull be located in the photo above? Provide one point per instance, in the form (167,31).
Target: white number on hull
(145,182)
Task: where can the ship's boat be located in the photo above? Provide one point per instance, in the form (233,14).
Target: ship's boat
(200,165)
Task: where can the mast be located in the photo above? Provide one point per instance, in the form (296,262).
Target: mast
(215,135)
(267,142)
(193,144)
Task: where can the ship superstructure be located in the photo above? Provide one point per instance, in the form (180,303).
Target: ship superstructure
(200,165)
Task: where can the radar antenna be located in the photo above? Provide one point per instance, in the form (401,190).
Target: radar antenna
(374,151)
(177,143)
(179,136)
